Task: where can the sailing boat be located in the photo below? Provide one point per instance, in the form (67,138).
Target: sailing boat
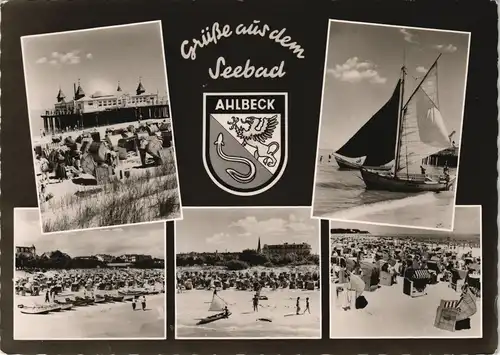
(421,132)
(217,305)
(373,144)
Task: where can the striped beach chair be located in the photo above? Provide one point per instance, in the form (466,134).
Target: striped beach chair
(450,312)
(446,315)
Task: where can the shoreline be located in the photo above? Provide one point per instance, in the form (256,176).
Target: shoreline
(106,320)
(278,310)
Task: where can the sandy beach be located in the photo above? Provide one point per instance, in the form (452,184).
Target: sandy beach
(106,320)
(78,199)
(392,314)
(279,308)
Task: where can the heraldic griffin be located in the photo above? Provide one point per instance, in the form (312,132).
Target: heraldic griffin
(254,132)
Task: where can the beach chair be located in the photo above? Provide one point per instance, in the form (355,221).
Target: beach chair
(415,282)
(446,315)
(450,314)
(386,278)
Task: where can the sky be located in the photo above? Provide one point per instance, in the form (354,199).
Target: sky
(467,222)
(364,64)
(99,58)
(235,229)
(146,239)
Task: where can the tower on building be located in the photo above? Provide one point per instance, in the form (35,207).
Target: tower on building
(119,88)
(140,88)
(60,96)
(258,246)
(79,93)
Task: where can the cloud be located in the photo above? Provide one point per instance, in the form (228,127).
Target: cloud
(69,58)
(355,71)
(446,48)
(139,239)
(89,56)
(408,36)
(251,226)
(421,69)
(218,238)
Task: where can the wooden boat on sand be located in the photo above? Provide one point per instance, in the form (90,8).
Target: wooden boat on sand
(83,301)
(131,292)
(420,133)
(65,305)
(351,164)
(214,318)
(372,146)
(39,309)
(411,183)
(34,310)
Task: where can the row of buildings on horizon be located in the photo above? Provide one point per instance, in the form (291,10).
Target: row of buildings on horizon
(100,109)
(299,249)
(29,252)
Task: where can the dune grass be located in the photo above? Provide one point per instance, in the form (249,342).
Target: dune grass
(148,196)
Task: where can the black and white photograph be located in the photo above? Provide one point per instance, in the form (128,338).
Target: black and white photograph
(393,282)
(248,273)
(88,285)
(390,125)
(101,129)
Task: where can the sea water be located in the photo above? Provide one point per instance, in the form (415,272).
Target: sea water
(341,194)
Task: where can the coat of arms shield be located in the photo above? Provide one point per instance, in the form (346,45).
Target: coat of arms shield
(245,147)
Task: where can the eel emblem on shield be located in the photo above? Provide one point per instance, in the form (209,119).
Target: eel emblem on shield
(245,140)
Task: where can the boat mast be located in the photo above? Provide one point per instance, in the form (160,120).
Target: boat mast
(400,112)
(402,109)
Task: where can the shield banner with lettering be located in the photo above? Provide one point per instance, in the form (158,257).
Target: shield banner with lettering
(245,140)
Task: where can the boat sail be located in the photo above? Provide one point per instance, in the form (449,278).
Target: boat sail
(421,132)
(373,144)
(217,304)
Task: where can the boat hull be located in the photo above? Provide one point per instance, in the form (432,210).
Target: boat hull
(213,318)
(348,165)
(376,181)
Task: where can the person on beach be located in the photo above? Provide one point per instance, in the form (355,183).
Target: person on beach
(307,306)
(42,192)
(347,292)
(297,306)
(226,312)
(255,303)
(134,303)
(143,303)
(47,297)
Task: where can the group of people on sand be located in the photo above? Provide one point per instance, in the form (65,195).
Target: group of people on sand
(240,280)
(256,298)
(88,280)
(297,306)
(142,301)
(366,257)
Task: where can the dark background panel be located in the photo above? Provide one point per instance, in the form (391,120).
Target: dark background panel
(307,23)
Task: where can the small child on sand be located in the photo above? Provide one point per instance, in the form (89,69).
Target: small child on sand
(298,305)
(143,303)
(133,304)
